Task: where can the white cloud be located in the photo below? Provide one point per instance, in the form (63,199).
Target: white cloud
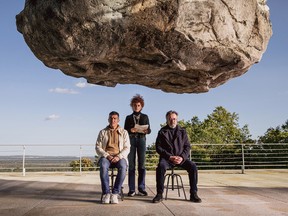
(52,117)
(63,91)
(83,84)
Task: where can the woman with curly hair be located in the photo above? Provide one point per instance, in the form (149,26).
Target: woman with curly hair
(137,125)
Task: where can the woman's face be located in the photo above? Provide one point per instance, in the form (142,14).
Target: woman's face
(137,107)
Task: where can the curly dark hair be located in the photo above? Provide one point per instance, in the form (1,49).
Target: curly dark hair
(137,99)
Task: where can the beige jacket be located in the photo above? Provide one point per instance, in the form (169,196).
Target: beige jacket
(102,141)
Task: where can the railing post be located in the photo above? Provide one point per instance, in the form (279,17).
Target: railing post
(23,161)
(243,159)
(80,156)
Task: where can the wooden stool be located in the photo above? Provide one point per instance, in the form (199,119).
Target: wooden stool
(112,176)
(177,177)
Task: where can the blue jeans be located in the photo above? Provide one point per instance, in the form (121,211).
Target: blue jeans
(137,145)
(188,165)
(121,166)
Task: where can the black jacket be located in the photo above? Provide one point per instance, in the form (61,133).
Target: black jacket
(178,146)
(130,123)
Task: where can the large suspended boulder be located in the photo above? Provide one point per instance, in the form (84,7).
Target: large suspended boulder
(184,46)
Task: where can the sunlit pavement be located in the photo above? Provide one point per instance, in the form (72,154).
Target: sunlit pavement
(257,192)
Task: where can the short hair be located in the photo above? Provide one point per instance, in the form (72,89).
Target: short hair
(137,99)
(113,113)
(170,112)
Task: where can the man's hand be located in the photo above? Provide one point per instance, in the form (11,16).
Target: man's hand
(110,157)
(176,159)
(115,159)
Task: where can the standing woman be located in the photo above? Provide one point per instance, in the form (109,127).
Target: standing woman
(137,125)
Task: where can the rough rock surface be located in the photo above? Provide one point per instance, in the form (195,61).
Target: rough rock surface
(181,46)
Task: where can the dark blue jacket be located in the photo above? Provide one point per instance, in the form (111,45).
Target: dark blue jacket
(166,147)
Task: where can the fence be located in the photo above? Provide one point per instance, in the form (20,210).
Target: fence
(240,156)
(23,158)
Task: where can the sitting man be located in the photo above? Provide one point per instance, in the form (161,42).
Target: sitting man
(173,146)
(112,146)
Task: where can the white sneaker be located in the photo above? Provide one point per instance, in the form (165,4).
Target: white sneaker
(114,198)
(106,198)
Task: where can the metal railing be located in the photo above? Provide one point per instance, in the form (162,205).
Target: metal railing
(240,156)
(23,158)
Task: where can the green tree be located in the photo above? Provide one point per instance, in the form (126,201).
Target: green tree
(272,143)
(194,129)
(219,127)
(278,134)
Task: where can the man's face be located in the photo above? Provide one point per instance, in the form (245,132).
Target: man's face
(113,121)
(137,107)
(172,120)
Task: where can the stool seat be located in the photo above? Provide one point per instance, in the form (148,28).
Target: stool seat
(174,176)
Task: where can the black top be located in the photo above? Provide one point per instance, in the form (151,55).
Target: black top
(136,118)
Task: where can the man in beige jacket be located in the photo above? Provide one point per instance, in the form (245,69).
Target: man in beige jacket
(112,146)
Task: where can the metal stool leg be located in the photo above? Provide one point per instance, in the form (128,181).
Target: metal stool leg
(167,187)
(174,177)
(178,177)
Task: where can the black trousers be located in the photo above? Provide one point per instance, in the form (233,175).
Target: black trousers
(188,165)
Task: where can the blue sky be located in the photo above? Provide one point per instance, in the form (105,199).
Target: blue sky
(40,105)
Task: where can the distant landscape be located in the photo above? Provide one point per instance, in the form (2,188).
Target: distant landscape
(14,163)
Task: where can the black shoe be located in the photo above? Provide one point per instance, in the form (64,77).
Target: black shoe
(131,193)
(194,198)
(142,193)
(158,198)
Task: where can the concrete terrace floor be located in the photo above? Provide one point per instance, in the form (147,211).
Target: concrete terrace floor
(257,192)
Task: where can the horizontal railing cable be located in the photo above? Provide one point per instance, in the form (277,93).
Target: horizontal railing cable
(64,157)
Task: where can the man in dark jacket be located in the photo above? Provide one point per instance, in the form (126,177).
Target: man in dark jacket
(173,146)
